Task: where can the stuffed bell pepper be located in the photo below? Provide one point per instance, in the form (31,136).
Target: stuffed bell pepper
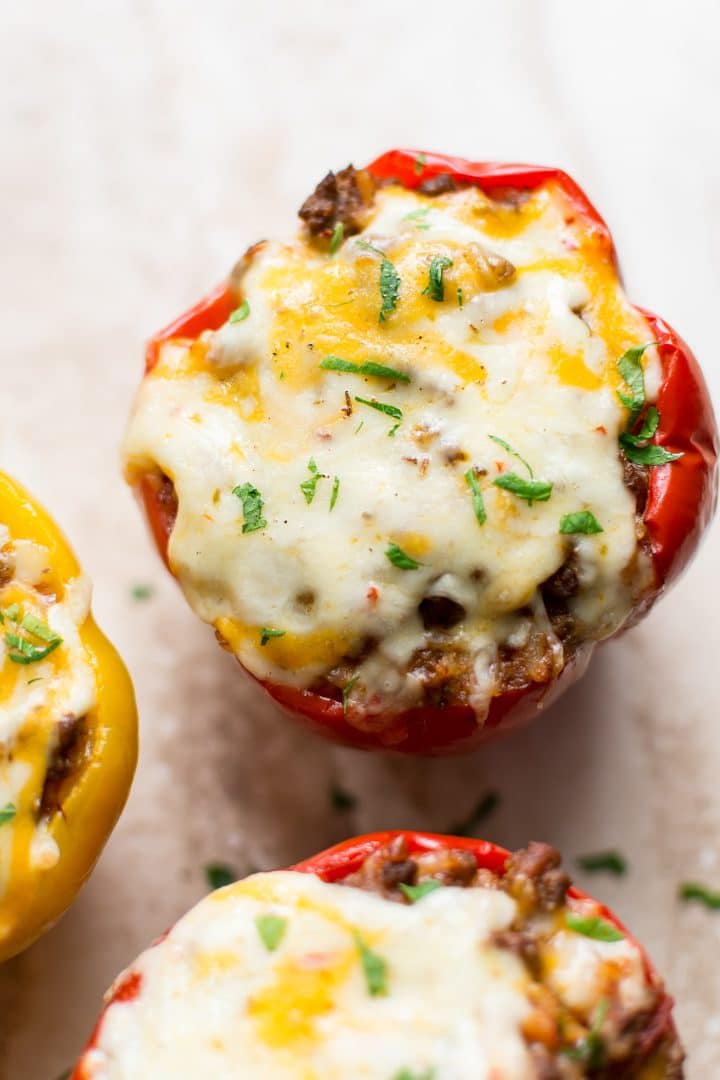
(414,462)
(68,738)
(396,956)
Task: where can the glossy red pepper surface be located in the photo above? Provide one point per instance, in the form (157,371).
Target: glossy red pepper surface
(681,497)
(338,862)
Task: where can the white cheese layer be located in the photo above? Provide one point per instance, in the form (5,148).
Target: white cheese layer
(528,358)
(213,999)
(36,699)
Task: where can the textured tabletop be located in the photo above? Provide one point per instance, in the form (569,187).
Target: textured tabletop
(146,143)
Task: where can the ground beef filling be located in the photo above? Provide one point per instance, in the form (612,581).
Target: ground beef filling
(628,1045)
(67,757)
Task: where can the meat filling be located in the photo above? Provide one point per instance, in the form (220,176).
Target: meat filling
(65,760)
(341,198)
(622,1043)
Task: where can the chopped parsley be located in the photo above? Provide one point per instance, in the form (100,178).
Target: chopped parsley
(346,693)
(635,445)
(511,450)
(252,503)
(581,521)
(459,296)
(393,429)
(374,968)
(435,287)
(611,862)
(382,371)
(692,890)
(416,892)
(406,1074)
(477,499)
(21,650)
(334,492)
(652,454)
(218,875)
(389,288)
(240,313)
(360,425)
(271,929)
(338,235)
(418,217)
(309,486)
(630,367)
(647,430)
(400,558)
(593,927)
(531,490)
(141,592)
(487,805)
(267,632)
(340,799)
(7,813)
(419,164)
(389,410)
(590,1050)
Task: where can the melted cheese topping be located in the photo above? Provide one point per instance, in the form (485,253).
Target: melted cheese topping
(527,356)
(36,700)
(214,1000)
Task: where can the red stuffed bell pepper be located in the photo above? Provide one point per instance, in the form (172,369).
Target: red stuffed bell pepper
(447,958)
(416,462)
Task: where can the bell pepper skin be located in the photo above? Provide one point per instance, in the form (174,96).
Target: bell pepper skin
(96,790)
(339,862)
(681,498)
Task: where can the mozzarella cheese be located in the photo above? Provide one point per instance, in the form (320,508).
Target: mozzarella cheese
(36,699)
(514,371)
(214,999)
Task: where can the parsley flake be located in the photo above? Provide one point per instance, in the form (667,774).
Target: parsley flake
(267,633)
(459,296)
(7,813)
(630,367)
(334,492)
(389,288)
(435,287)
(271,929)
(309,487)
(511,450)
(141,592)
(590,1050)
(478,504)
(417,217)
(393,429)
(346,693)
(611,862)
(240,313)
(419,164)
(406,1074)
(369,367)
(218,875)
(530,490)
(400,558)
(389,410)
(647,430)
(416,892)
(252,503)
(692,890)
(338,235)
(581,521)
(593,927)
(374,968)
(652,454)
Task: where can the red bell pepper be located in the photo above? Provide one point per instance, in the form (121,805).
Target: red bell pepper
(681,497)
(338,862)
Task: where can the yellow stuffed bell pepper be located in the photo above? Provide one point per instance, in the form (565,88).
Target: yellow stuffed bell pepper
(68,724)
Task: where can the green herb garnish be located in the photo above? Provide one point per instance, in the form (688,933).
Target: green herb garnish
(630,367)
(271,929)
(340,799)
(346,693)
(267,632)
(460,297)
(389,410)
(511,450)
(593,927)
(581,521)
(334,492)
(382,371)
(389,288)
(418,217)
(360,425)
(416,892)
(374,968)
(647,430)
(531,490)
(590,1050)
(406,1074)
(308,487)
(393,429)
(400,558)
(487,805)
(477,500)
(611,861)
(338,235)
(419,164)
(240,313)
(692,890)
(652,454)
(141,592)
(7,813)
(252,503)
(23,651)
(435,287)
(218,875)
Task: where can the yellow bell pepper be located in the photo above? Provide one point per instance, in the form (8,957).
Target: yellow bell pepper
(64,778)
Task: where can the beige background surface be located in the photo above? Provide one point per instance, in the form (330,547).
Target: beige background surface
(145,144)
